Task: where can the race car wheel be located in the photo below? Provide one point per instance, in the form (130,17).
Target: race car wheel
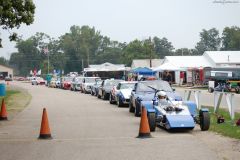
(137,111)
(131,108)
(237,90)
(152,121)
(210,89)
(110,99)
(204,118)
(105,96)
(119,102)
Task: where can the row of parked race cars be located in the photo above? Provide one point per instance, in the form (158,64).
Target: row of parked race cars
(164,106)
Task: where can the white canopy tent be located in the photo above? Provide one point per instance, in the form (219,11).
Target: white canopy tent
(168,66)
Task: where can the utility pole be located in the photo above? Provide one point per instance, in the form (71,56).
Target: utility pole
(82,64)
(47,53)
(88,58)
(150,50)
(48,62)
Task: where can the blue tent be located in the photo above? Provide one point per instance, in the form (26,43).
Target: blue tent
(143,71)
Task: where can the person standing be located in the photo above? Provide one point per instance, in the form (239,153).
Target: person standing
(169,78)
(181,78)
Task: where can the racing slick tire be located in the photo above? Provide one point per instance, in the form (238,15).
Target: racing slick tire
(131,108)
(204,118)
(119,102)
(210,90)
(110,99)
(104,96)
(152,121)
(137,111)
(237,90)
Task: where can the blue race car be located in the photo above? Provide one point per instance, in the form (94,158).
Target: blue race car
(172,115)
(142,92)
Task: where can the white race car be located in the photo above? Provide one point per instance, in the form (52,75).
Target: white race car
(38,81)
(121,93)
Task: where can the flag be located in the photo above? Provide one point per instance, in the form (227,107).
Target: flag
(35,72)
(39,72)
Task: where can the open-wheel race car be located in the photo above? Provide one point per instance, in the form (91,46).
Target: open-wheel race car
(142,93)
(163,111)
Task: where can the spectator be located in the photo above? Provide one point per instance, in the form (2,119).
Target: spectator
(181,78)
(169,78)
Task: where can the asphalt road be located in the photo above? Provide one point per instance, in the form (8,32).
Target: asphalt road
(84,127)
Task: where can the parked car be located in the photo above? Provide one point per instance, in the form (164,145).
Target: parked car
(95,86)
(21,79)
(224,80)
(76,82)
(53,83)
(105,88)
(87,83)
(8,78)
(142,92)
(120,93)
(58,82)
(38,81)
(66,83)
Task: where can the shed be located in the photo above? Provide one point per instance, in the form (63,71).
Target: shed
(5,71)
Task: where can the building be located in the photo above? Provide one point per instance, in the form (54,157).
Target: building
(223,58)
(193,66)
(5,72)
(136,63)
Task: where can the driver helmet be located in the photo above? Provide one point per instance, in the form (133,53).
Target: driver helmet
(162,95)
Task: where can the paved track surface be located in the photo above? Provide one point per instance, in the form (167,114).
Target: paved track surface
(84,127)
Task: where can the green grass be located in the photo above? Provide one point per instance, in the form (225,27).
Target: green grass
(16,101)
(9,93)
(228,128)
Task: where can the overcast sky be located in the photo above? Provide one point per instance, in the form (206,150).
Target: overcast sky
(180,21)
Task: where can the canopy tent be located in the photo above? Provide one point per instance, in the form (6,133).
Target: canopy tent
(143,71)
(106,67)
(168,66)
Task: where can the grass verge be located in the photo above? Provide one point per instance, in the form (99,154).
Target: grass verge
(228,128)
(16,100)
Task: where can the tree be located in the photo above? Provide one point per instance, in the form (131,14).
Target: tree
(13,13)
(163,47)
(209,41)
(108,51)
(231,38)
(134,50)
(30,53)
(182,52)
(3,61)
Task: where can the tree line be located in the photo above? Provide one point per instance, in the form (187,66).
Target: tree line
(83,46)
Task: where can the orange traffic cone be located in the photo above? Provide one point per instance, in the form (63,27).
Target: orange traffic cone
(144,129)
(45,130)
(3,113)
